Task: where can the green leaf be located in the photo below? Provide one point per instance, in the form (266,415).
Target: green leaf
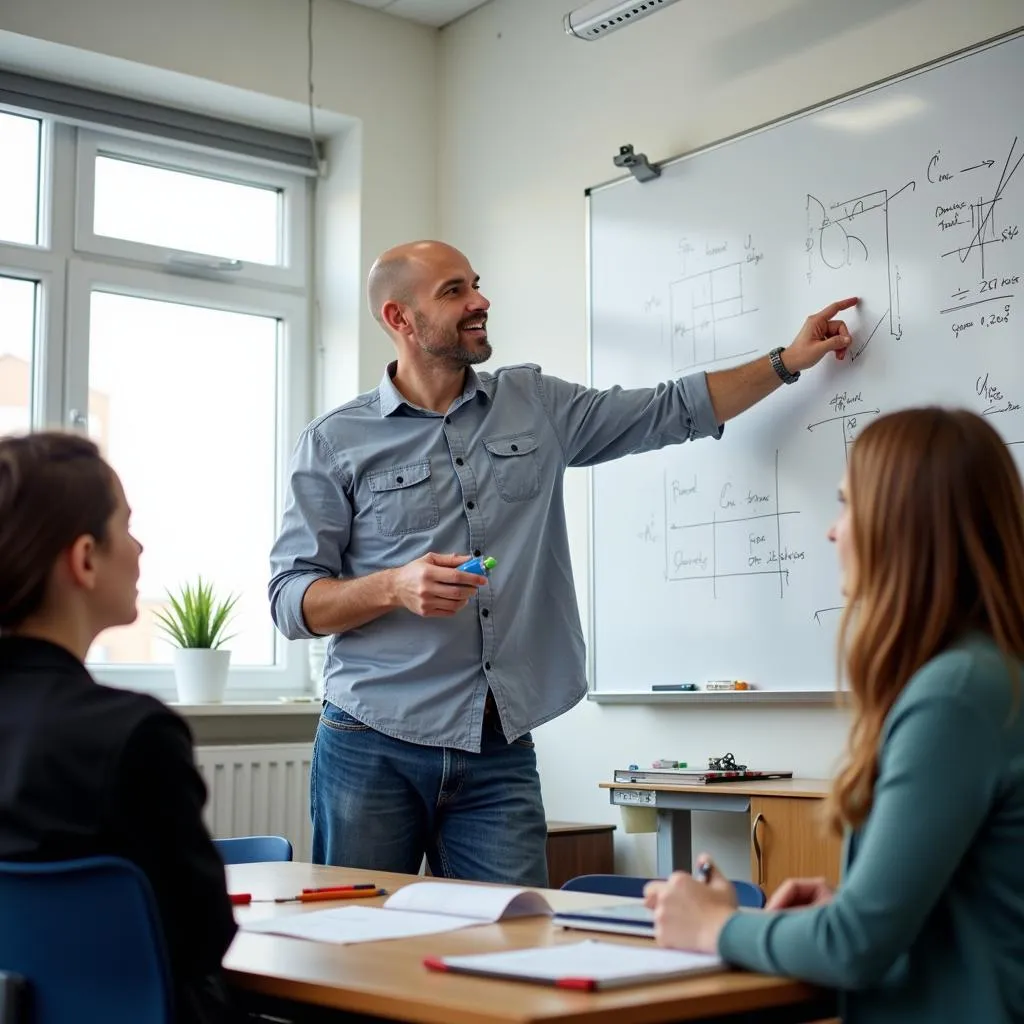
(195,617)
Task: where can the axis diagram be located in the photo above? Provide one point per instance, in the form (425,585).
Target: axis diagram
(741,539)
(987,229)
(983,222)
(849,413)
(853,232)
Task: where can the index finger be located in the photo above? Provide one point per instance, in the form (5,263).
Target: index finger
(452,561)
(830,311)
(652,890)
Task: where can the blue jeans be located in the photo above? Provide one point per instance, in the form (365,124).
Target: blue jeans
(381,803)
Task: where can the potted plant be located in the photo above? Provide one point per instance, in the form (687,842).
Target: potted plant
(194,622)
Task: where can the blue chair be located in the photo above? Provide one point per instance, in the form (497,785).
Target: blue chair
(86,936)
(747,894)
(253,849)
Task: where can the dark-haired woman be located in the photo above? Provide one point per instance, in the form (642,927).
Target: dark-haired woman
(928,923)
(86,769)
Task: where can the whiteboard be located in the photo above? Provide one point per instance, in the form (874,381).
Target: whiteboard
(709,560)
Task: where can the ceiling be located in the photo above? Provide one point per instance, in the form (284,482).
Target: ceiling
(426,12)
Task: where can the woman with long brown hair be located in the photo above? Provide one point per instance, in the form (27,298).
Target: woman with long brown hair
(928,923)
(86,769)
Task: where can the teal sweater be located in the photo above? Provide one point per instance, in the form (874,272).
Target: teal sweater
(928,924)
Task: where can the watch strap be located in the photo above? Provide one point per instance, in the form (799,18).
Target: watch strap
(775,357)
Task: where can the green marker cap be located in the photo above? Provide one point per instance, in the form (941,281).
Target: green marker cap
(489,563)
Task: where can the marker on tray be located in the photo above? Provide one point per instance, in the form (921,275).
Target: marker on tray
(479,566)
(672,687)
(728,684)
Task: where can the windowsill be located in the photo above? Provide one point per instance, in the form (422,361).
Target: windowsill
(239,708)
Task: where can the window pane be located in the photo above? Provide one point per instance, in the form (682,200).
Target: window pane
(17,334)
(191,212)
(19,179)
(183,401)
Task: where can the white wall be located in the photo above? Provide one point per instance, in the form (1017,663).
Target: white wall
(250,55)
(529,119)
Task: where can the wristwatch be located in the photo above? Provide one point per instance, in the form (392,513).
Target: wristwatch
(780,367)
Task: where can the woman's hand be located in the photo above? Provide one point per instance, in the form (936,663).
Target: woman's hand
(800,892)
(689,914)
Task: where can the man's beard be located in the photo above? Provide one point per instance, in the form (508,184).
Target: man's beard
(444,343)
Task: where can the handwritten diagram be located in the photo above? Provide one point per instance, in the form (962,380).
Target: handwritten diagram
(849,413)
(742,538)
(703,302)
(856,231)
(980,238)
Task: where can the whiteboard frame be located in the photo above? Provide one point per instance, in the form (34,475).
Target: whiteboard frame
(743,697)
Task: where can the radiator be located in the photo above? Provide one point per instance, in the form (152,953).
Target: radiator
(258,790)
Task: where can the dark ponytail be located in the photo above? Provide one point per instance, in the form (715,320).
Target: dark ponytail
(54,488)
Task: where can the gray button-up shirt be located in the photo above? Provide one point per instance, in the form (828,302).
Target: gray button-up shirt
(379,482)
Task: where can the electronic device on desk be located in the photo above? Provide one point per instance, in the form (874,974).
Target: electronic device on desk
(719,769)
(623,918)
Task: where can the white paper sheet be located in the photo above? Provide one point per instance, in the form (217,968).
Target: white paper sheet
(423,908)
(482,902)
(606,963)
(358,924)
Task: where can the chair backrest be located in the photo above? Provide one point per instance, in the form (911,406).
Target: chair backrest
(253,849)
(86,936)
(747,894)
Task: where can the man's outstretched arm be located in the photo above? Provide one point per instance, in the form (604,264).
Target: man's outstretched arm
(736,390)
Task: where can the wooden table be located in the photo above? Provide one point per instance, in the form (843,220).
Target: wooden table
(787,837)
(387,980)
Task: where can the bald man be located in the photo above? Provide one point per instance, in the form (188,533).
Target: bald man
(434,677)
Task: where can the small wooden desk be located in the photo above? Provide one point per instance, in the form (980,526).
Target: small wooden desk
(786,838)
(378,981)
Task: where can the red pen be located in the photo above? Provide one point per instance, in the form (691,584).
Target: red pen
(240,899)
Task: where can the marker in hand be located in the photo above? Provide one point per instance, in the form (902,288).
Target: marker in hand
(703,872)
(479,566)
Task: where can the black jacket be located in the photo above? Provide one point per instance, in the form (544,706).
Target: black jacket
(86,769)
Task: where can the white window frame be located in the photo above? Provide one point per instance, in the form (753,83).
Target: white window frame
(290,674)
(292,244)
(70,261)
(47,344)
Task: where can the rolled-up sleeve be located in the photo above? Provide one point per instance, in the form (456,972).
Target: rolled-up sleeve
(596,426)
(315,530)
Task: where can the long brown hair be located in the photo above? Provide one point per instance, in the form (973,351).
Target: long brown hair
(54,488)
(937,532)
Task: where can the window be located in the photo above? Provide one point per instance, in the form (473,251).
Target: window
(19,179)
(202,486)
(181,279)
(17,338)
(197,213)
(190,213)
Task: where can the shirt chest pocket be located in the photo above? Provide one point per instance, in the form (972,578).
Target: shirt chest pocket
(403,499)
(516,465)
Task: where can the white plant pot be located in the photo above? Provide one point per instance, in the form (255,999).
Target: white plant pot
(201,674)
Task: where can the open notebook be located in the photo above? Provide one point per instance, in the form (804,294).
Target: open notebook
(584,966)
(423,908)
